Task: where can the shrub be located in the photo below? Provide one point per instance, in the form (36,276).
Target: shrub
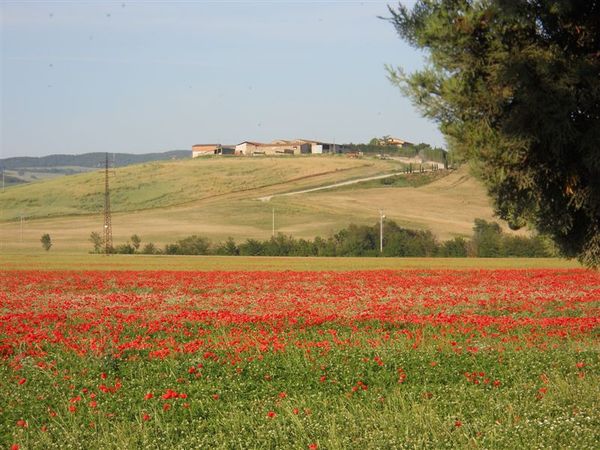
(251,247)
(126,249)
(228,248)
(150,249)
(46,241)
(454,248)
(97,241)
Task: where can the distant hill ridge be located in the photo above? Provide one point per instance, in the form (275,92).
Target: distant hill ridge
(91,160)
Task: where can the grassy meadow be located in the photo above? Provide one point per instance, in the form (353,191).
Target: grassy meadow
(219,197)
(416,358)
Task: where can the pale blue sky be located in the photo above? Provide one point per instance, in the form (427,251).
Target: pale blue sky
(155,76)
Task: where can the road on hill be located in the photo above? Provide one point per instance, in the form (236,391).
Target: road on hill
(266,198)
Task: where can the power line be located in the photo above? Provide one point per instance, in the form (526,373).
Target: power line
(107,216)
(381,217)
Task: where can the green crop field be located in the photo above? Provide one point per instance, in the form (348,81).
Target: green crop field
(78,261)
(220,197)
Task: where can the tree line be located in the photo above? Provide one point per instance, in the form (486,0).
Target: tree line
(487,240)
(425,151)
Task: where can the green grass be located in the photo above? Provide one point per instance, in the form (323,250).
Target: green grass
(168,183)
(436,407)
(50,261)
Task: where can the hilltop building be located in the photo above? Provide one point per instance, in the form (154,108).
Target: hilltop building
(390,140)
(212,149)
(277,147)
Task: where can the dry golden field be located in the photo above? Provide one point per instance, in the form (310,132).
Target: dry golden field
(218,198)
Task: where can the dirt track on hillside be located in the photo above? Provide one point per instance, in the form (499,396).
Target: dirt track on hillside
(335,185)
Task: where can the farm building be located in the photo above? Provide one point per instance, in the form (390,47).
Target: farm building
(389,140)
(274,148)
(204,149)
(317,147)
(212,149)
(277,147)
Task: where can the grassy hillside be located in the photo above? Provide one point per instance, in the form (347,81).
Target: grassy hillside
(218,198)
(165,184)
(89,160)
(19,170)
(446,206)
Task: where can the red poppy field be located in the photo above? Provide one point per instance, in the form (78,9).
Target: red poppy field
(359,359)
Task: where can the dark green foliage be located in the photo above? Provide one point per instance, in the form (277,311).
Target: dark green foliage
(407,152)
(228,248)
(454,248)
(279,245)
(124,249)
(357,241)
(150,249)
(521,246)
(192,245)
(46,241)
(425,151)
(487,239)
(172,249)
(252,247)
(361,240)
(399,241)
(429,153)
(97,242)
(135,241)
(515,87)
(489,242)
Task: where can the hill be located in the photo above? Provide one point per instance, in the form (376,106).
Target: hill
(219,197)
(19,170)
(89,160)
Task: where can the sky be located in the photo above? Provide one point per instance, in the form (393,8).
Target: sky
(141,77)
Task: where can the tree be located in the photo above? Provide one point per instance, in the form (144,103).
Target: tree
(97,241)
(135,241)
(150,249)
(454,248)
(251,247)
(487,239)
(228,248)
(126,249)
(191,245)
(46,241)
(515,88)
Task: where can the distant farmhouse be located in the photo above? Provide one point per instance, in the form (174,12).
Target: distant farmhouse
(397,142)
(212,149)
(278,147)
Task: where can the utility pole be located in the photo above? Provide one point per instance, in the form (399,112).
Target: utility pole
(273,222)
(381,217)
(107,218)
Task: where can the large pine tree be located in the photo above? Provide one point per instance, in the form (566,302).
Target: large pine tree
(515,87)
